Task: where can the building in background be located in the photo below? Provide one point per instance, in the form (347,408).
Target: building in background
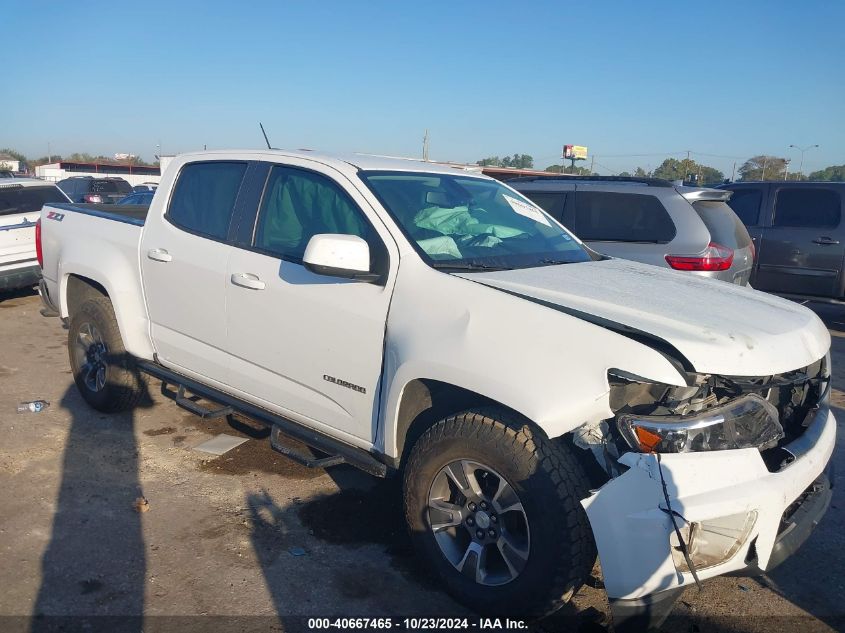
(133,174)
(9,162)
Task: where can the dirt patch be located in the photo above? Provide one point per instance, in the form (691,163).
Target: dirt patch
(167,430)
(6,371)
(258,457)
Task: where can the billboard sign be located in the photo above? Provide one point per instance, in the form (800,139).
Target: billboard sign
(575,152)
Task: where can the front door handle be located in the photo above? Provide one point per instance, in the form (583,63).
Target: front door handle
(248,280)
(159,255)
(824,240)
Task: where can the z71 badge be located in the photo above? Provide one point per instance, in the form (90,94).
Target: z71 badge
(55,215)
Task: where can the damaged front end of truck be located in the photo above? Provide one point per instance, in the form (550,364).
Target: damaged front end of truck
(724,475)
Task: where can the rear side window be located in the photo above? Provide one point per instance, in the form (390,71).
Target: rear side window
(27,199)
(807,207)
(110,186)
(203,200)
(551,203)
(725,228)
(621,217)
(745,203)
(298,205)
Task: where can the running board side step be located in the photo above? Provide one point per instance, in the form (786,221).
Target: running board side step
(299,458)
(338,452)
(190,405)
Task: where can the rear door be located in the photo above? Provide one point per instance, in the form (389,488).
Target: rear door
(20,207)
(750,203)
(184,254)
(802,251)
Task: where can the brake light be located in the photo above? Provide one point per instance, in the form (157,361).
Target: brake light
(93,198)
(715,257)
(38,252)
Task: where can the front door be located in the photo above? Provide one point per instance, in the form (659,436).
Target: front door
(304,345)
(184,255)
(802,251)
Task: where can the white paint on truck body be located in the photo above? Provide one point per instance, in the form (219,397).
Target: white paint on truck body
(538,340)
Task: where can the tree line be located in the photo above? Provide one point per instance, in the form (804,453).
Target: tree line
(761,167)
(76,157)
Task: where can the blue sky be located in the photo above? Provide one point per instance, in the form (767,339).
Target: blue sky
(728,79)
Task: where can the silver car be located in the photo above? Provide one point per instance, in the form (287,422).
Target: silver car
(649,220)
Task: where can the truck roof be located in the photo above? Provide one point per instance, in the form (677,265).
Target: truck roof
(367,162)
(17,183)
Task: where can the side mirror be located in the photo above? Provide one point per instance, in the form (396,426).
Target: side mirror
(335,255)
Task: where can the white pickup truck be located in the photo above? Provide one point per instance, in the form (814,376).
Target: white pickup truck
(541,402)
(21,200)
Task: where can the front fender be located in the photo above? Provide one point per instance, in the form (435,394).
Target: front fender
(549,366)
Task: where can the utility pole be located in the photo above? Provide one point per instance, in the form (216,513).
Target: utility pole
(733,172)
(425,146)
(763,175)
(786,169)
(592,162)
(49,154)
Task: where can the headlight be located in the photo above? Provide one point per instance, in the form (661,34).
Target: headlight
(746,422)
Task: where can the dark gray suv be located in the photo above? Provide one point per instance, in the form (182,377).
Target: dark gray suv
(799,233)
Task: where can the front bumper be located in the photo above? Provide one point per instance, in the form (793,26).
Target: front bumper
(14,278)
(632,528)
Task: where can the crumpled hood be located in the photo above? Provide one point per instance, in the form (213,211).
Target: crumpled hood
(720,328)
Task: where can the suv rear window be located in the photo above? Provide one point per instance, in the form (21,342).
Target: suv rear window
(110,186)
(621,217)
(746,204)
(724,226)
(204,197)
(27,199)
(808,207)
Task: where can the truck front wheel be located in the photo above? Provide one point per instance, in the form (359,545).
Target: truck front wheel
(104,372)
(493,507)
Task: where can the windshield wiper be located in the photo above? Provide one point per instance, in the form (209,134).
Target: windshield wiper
(467,266)
(553,262)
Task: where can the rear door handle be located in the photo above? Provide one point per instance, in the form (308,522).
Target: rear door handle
(825,241)
(248,280)
(159,255)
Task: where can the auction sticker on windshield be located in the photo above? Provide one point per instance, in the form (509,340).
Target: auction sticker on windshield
(527,210)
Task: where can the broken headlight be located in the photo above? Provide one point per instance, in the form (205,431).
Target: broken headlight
(745,422)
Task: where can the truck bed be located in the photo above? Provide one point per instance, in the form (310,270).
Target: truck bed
(129,213)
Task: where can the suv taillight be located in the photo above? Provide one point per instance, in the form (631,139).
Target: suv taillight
(93,198)
(715,257)
(38,252)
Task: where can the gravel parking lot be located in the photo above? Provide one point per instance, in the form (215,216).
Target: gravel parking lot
(255,537)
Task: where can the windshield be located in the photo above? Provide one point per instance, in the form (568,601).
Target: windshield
(461,222)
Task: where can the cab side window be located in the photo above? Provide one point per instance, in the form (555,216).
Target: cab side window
(298,204)
(204,198)
(808,207)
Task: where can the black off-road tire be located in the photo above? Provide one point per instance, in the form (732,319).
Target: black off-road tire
(550,484)
(124,384)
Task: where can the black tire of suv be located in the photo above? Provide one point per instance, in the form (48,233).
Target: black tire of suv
(124,385)
(550,483)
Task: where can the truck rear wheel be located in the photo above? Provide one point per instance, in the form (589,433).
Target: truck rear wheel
(104,372)
(493,507)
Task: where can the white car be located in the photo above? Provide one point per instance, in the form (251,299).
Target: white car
(541,402)
(21,200)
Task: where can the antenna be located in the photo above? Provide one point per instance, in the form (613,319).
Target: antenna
(266,140)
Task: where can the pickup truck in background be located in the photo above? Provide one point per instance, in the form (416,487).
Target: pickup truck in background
(541,402)
(798,228)
(21,200)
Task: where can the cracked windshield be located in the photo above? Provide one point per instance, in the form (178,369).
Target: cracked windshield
(464,223)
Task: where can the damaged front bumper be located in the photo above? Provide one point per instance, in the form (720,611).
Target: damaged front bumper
(634,531)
